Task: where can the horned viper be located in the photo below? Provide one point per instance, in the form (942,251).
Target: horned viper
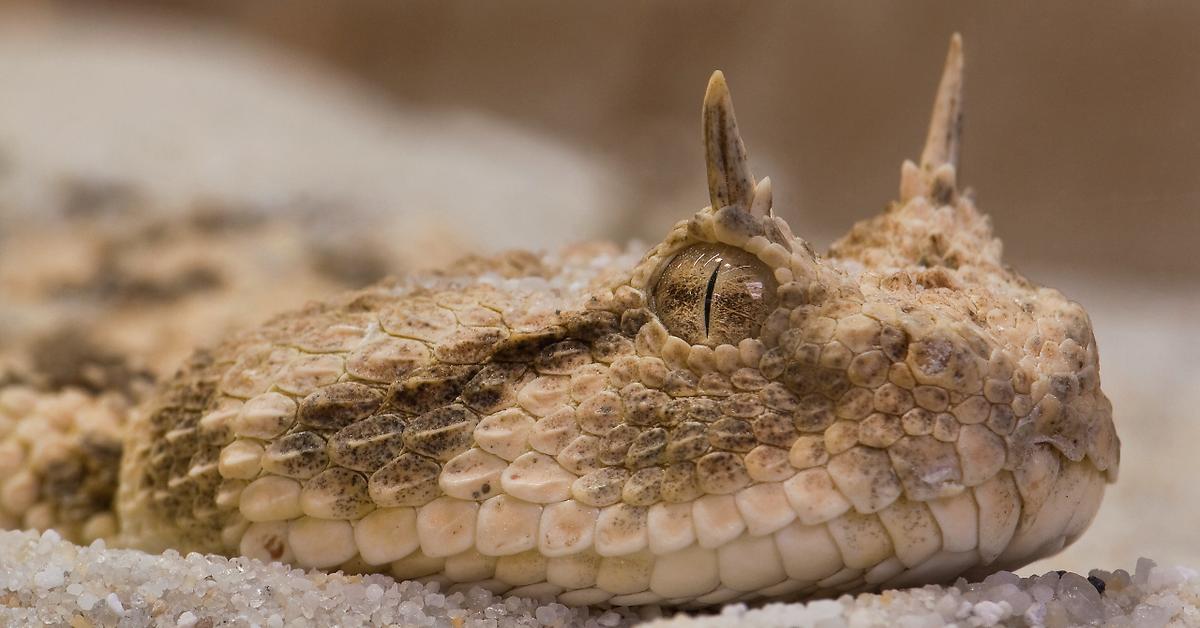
(733,416)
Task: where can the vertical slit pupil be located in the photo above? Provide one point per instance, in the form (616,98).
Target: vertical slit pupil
(708,296)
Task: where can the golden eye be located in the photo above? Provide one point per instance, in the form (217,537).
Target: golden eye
(713,294)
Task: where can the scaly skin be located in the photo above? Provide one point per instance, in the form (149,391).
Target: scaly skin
(732,417)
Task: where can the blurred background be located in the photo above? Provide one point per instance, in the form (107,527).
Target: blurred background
(167,174)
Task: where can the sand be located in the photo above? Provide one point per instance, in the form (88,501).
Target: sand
(45,579)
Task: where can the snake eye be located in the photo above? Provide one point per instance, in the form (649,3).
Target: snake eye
(713,294)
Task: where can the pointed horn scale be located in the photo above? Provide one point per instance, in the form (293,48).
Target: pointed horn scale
(729,178)
(763,203)
(945,127)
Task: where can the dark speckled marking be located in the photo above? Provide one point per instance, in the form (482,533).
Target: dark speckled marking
(731,434)
(339,405)
(610,347)
(616,444)
(525,346)
(721,472)
(299,455)
(562,358)
(644,488)
(679,483)
(913,458)
(814,414)
(633,320)
(689,440)
(428,387)
(409,480)
(494,388)
(801,378)
(772,428)
(680,383)
(646,449)
(644,406)
(602,487)
(442,433)
(347,489)
(591,325)
(369,444)
(165,466)
(84,483)
(894,342)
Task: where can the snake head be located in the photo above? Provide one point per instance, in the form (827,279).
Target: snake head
(907,390)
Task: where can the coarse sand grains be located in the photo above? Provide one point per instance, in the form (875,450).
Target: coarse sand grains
(47,580)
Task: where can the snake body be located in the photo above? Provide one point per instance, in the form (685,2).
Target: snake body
(731,417)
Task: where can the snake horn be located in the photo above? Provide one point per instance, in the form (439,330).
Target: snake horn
(729,180)
(936,176)
(945,126)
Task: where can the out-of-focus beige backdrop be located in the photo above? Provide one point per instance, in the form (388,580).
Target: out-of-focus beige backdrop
(1082,141)
(1082,132)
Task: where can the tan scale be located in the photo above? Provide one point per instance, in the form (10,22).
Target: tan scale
(59,453)
(732,417)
